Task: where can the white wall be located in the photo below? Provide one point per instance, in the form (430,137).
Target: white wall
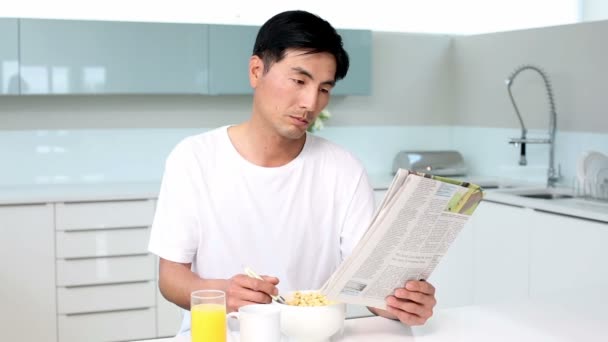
(574,57)
(594,10)
(431,16)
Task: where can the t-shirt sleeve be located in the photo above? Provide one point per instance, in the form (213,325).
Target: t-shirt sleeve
(358,216)
(175,231)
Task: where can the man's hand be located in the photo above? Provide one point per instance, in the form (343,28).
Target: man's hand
(412,304)
(244,290)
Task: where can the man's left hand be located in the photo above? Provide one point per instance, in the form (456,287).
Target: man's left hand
(412,304)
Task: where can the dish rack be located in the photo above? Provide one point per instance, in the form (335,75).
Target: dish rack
(592,176)
(591,190)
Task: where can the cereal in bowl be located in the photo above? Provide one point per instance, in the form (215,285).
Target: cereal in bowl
(308,299)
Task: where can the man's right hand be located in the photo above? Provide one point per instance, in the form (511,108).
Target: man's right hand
(244,290)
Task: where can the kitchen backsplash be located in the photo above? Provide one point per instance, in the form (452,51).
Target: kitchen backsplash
(137,155)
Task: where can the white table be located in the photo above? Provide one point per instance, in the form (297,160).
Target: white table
(524,321)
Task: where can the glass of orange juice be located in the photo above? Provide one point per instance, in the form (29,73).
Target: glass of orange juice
(208,316)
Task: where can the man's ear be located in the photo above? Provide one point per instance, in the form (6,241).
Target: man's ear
(256,70)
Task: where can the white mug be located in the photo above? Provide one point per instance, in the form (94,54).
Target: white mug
(259,323)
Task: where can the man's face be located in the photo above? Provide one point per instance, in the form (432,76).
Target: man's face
(290,95)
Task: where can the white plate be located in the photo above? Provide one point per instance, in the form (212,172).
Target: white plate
(594,163)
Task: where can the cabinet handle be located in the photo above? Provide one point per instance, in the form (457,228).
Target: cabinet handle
(97,229)
(108,311)
(109,284)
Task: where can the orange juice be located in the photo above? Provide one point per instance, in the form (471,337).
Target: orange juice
(208,323)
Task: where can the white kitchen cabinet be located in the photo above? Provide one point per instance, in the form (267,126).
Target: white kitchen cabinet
(501,247)
(567,256)
(27,273)
(169,316)
(104,272)
(453,277)
(136,324)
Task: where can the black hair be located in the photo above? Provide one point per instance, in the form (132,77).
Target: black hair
(299,30)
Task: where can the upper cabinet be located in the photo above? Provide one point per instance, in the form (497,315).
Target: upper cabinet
(358,45)
(44,56)
(9,56)
(230,47)
(97,57)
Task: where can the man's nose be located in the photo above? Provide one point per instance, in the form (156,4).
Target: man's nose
(309,98)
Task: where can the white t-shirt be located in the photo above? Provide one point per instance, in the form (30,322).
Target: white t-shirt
(296,222)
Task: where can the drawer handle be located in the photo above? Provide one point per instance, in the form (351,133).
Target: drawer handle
(143,200)
(108,311)
(80,230)
(105,256)
(109,284)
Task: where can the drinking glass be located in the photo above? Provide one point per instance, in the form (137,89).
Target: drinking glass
(208,316)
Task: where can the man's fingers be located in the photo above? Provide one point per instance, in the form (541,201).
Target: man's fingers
(420,286)
(406,317)
(272,280)
(416,297)
(410,307)
(256,284)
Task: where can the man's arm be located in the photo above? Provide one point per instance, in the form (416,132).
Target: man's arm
(177,282)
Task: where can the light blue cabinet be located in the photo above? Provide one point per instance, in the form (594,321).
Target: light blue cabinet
(9,57)
(97,57)
(230,47)
(358,44)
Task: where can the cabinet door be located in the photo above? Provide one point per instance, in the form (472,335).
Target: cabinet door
(568,257)
(9,58)
(453,277)
(97,57)
(230,47)
(168,315)
(358,45)
(500,255)
(27,273)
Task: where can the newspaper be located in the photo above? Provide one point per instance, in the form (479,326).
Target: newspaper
(417,221)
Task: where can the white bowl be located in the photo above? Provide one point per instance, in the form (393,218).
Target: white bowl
(311,323)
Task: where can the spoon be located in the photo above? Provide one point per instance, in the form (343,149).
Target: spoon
(252,274)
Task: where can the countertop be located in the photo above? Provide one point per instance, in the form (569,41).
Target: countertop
(498,191)
(522,321)
(31,194)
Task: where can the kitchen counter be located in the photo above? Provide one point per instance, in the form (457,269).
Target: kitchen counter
(577,207)
(31,194)
(522,321)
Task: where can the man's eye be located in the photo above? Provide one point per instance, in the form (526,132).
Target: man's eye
(297,81)
(325,90)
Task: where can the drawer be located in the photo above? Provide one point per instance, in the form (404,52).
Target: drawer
(95,243)
(107,326)
(84,299)
(106,270)
(104,215)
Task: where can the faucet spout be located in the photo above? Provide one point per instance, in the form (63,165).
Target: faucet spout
(553,175)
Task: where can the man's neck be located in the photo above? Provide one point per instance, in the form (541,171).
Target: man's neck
(262,146)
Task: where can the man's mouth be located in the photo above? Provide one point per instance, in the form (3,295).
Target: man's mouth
(300,119)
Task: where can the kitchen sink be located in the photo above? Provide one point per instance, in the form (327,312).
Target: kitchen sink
(546,195)
(539,193)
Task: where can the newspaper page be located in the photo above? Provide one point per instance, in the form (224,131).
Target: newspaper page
(415,224)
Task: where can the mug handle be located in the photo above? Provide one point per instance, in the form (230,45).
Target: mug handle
(234,314)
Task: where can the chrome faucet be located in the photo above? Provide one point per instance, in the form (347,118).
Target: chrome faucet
(553,174)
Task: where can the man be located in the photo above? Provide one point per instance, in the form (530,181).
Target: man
(264,193)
